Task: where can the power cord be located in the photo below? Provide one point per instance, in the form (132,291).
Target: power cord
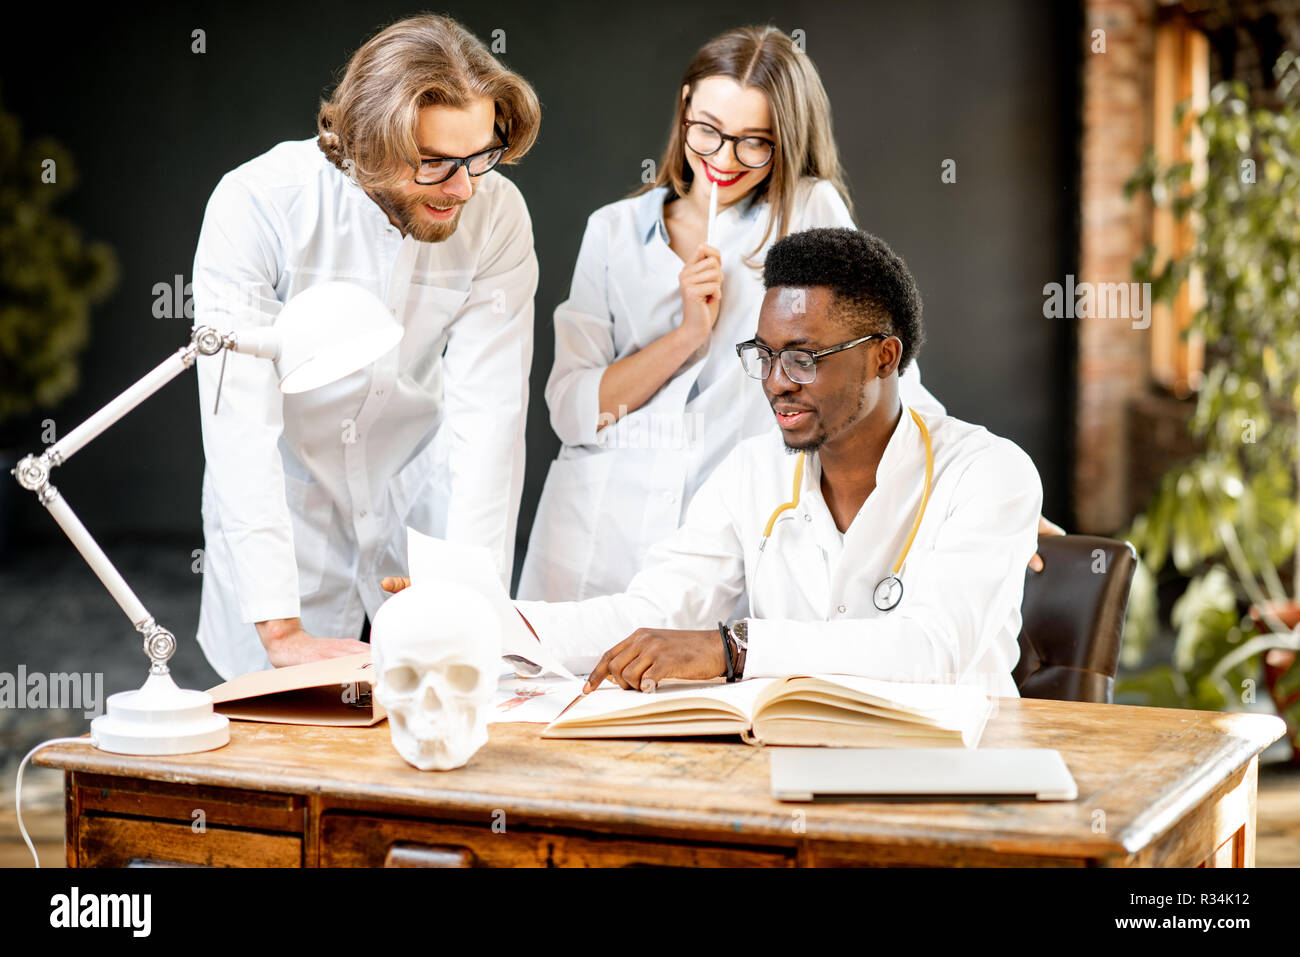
(18,789)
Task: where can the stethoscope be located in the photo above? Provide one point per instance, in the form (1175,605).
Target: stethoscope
(889,590)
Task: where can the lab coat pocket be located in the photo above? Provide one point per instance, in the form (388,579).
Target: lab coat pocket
(643,307)
(803,568)
(431,310)
(312,512)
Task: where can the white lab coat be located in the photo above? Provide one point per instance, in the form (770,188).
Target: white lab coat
(306,498)
(610,495)
(959,618)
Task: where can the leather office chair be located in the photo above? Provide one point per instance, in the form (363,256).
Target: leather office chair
(1073,618)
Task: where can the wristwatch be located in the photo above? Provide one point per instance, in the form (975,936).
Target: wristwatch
(740,638)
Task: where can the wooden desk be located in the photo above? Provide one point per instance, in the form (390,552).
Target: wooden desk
(1157,787)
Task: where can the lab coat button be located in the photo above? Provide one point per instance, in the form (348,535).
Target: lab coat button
(843,609)
(807,517)
(363,515)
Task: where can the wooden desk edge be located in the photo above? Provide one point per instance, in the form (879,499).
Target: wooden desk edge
(1253,733)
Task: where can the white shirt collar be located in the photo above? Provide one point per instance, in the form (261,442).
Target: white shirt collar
(649,216)
(904,448)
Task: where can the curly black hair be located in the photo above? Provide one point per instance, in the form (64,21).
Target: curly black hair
(872,289)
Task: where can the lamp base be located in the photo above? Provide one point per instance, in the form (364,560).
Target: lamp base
(160,718)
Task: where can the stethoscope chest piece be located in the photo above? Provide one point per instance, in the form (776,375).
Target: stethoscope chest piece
(888,593)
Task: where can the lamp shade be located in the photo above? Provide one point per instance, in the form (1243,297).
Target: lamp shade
(330,331)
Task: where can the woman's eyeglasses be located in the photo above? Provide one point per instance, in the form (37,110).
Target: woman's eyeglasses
(706,139)
(431,172)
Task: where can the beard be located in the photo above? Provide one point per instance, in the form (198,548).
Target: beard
(814,442)
(414,221)
(807,445)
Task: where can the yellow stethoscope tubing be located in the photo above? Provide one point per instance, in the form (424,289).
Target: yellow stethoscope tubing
(920,511)
(794,503)
(925,495)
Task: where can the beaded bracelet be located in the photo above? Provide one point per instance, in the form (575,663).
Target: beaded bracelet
(726,650)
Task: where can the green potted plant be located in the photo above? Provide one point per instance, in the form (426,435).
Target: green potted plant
(1226,521)
(49,279)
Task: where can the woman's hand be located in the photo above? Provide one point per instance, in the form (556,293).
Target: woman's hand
(701,284)
(1044,528)
(630,382)
(395,584)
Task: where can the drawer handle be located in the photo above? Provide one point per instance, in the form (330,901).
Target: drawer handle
(428,855)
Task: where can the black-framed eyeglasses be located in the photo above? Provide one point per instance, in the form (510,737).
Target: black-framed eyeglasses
(431,172)
(706,139)
(799,365)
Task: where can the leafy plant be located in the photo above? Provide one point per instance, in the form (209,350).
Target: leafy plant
(1227,520)
(49,276)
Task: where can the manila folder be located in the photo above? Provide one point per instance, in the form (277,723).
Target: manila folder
(335,691)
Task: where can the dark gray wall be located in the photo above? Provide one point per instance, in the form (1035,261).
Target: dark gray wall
(153,126)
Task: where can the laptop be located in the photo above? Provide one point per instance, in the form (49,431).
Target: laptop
(912,774)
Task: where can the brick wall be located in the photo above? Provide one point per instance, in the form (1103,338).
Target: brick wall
(1112,355)
(1127,431)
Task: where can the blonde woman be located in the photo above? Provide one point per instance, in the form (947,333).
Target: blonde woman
(646,393)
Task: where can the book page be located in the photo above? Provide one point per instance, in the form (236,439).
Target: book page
(434,559)
(735,699)
(821,710)
(939,701)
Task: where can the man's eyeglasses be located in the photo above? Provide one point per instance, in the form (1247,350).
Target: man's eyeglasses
(799,365)
(431,172)
(706,139)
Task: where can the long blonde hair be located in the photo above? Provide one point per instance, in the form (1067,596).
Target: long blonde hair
(367,127)
(768,60)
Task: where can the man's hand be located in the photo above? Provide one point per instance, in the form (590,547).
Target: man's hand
(395,584)
(649,655)
(1044,528)
(287,644)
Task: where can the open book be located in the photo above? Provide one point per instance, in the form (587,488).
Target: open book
(831,710)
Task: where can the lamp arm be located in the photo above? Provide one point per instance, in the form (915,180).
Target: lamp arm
(118,408)
(203,340)
(159,643)
(262,342)
(33,474)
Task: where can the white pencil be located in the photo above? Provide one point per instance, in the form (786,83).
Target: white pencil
(713,212)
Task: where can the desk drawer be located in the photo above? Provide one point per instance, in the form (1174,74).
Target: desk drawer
(122,822)
(351,840)
(108,841)
(187,804)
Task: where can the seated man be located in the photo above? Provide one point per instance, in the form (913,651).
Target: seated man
(902,553)
(848,580)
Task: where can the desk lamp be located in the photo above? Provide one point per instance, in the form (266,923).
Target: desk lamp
(323,334)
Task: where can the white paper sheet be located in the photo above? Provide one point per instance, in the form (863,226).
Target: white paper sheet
(532,699)
(434,559)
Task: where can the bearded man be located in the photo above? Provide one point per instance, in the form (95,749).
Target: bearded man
(306,498)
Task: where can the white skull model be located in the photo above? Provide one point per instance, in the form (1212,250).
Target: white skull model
(437,653)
